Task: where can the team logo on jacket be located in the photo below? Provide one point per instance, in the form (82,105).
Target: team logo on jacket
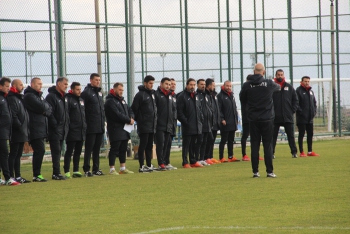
(153,96)
(311,93)
(100,94)
(174,99)
(206,99)
(286,88)
(66,100)
(123,102)
(42,98)
(82,103)
(197,98)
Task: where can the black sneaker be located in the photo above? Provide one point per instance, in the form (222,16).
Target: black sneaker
(256,175)
(98,173)
(271,175)
(58,177)
(145,169)
(22,180)
(294,156)
(39,178)
(88,174)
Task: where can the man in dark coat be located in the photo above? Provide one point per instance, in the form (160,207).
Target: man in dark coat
(20,129)
(285,104)
(190,115)
(256,96)
(58,123)
(305,115)
(145,110)
(229,121)
(5,132)
(77,130)
(95,120)
(118,114)
(38,110)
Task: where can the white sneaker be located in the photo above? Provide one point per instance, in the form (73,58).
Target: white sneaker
(271,175)
(113,172)
(204,163)
(170,167)
(2,182)
(256,175)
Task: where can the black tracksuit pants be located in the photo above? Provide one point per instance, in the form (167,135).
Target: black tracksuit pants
(14,161)
(117,149)
(309,128)
(261,131)
(205,138)
(168,149)
(92,145)
(145,148)
(191,145)
(228,137)
(56,149)
(289,128)
(209,150)
(161,139)
(245,134)
(75,146)
(4,153)
(38,146)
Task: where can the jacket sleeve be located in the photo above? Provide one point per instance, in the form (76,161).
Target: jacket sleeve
(14,111)
(315,105)
(295,101)
(221,107)
(299,110)
(131,113)
(136,105)
(34,104)
(180,107)
(52,120)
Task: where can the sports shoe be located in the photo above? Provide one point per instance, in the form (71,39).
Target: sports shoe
(126,171)
(223,160)
(67,175)
(58,177)
(88,174)
(113,172)
(245,158)
(22,180)
(215,161)
(77,174)
(233,159)
(273,156)
(302,154)
(187,166)
(98,173)
(12,182)
(208,161)
(145,169)
(271,175)
(170,167)
(256,175)
(312,154)
(294,156)
(197,164)
(39,178)
(204,163)
(261,159)
(2,182)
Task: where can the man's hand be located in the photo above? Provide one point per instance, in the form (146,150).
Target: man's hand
(132,121)
(223,122)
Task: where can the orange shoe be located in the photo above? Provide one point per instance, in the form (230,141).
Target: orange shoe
(187,166)
(245,158)
(302,154)
(261,159)
(215,161)
(197,164)
(233,159)
(312,154)
(223,160)
(208,161)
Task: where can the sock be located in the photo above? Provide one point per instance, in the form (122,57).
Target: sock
(122,168)
(309,152)
(111,169)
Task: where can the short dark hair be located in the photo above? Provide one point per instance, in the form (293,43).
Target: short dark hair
(148,78)
(199,80)
(34,79)
(305,77)
(165,79)
(3,80)
(117,84)
(172,79)
(94,75)
(208,82)
(279,70)
(61,79)
(189,80)
(74,84)
(227,81)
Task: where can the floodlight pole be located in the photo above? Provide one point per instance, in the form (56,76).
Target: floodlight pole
(333,70)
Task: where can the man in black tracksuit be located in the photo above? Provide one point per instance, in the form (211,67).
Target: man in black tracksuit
(77,130)
(95,120)
(118,114)
(216,120)
(58,123)
(145,110)
(20,129)
(165,119)
(190,115)
(305,115)
(207,120)
(256,95)
(229,121)
(285,104)
(38,110)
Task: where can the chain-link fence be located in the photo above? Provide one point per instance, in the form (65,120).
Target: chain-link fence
(125,40)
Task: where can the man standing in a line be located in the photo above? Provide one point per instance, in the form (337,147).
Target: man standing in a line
(305,115)
(38,110)
(256,95)
(95,120)
(285,104)
(145,111)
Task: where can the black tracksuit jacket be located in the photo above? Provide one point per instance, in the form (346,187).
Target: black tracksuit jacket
(5,118)
(206,111)
(77,120)
(165,116)
(307,106)
(214,103)
(228,111)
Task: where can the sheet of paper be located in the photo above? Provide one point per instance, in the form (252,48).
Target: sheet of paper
(128,128)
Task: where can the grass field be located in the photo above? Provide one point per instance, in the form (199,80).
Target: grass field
(310,195)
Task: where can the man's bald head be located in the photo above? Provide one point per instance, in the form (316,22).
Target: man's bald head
(259,68)
(17,84)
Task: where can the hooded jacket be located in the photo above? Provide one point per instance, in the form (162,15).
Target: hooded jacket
(173,96)
(206,111)
(38,110)
(256,96)
(5,118)
(59,119)
(285,104)
(189,113)
(118,113)
(145,110)
(165,116)
(77,120)
(307,105)
(20,117)
(94,109)
(214,103)
(228,111)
